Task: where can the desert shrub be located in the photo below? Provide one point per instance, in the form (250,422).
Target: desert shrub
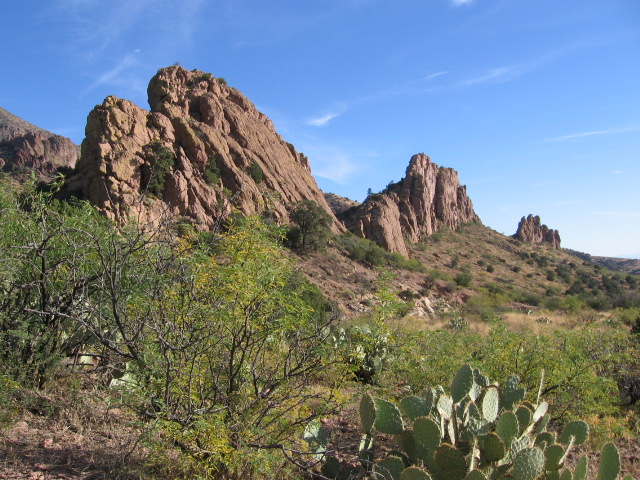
(255,172)
(529,298)
(364,250)
(161,160)
(490,268)
(463,279)
(626,299)
(211,172)
(599,302)
(311,227)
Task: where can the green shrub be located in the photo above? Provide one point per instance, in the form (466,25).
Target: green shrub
(211,172)
(256,172)
(161,161)
(463,279)
(311,227)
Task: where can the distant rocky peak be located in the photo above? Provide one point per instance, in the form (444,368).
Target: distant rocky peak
(427,199)
(25,148)
(531,230)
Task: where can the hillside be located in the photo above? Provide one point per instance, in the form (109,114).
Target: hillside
(623,265)
(25,147)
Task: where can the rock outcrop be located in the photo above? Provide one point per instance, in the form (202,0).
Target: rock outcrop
(530,230)
(25,147)
(427,199)
(213,149)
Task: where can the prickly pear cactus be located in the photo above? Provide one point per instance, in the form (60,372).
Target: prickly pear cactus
(479,431)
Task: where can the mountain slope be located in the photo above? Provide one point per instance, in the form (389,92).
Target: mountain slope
(25,147)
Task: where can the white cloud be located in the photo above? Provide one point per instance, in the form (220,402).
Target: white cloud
(435,75)
(322,120)
(332,163)
(589,134)
(458,3)
(495,75)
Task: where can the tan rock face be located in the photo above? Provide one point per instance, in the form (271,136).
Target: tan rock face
(226,154)
(428,198)
(25,147)
(530,230)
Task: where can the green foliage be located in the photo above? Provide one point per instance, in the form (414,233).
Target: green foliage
(463,279)
(311,228)
(211,172)
(256,172)
(47,261)
(452,437)
(161,160)
(219,340)
(364,250)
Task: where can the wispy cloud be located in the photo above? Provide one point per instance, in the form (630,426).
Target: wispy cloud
(322,120)
(119,75)
(459,3)
(333,163)
(617,214)
(596,132)
(435,75)
(494,75)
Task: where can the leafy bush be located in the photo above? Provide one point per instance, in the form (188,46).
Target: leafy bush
(256,172)
(211,172)
(463,279)
(311,228)
(161,161)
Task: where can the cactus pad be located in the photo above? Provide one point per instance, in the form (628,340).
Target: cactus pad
(524,417)
(387,417)
(507,427)
(427,433)
(451,462)
(390,468)
(528,464)
(491,404)
(577,429)
(367,413)
(462,384)
(609,463)
(415,473)
(476,475)
(414,407)
(493,448)
(566,475)
(511,393)
(540,412)
(445,406)
(582,469)
(554,457)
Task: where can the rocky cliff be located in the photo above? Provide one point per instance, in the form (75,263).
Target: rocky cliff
(530,230)
(202,149)
(428,198)
(25,147)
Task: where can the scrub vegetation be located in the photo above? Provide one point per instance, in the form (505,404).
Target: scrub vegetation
(173,353)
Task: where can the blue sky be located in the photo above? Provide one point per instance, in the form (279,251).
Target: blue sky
(535,103)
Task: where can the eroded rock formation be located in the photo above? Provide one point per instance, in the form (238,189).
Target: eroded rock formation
(25,147)
(531,230)
(222,153)
(428,198)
